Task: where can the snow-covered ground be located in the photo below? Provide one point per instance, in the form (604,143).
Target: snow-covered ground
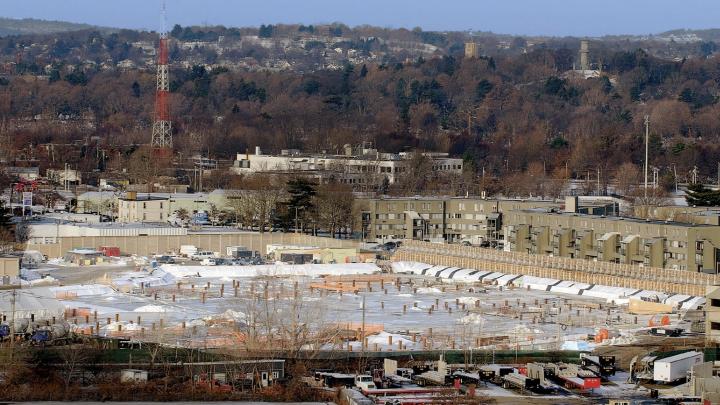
(519,317)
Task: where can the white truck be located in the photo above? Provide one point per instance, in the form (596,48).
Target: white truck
(674,368)
(188,250)
(364,382)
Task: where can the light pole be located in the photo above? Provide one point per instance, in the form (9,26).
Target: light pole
(647,136)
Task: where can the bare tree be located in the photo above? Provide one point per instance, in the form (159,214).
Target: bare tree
(72,357)
(255,208)
(334,204)
(627,177)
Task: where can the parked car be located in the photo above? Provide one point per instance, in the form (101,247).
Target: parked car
(165,259)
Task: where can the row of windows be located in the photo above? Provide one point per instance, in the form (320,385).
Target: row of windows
(447,167)
(381,227)
(675,256)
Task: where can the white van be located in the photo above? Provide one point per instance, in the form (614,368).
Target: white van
(202,255)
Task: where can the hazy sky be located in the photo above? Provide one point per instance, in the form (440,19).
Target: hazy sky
(547,17)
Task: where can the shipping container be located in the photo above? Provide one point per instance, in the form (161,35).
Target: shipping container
(110,251)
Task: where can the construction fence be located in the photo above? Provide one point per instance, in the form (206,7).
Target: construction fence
(559,268)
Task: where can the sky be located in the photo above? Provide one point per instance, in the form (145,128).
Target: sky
(520,17)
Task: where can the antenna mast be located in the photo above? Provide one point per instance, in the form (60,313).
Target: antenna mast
(162,141)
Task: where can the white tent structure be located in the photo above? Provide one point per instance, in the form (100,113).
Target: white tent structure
(40,302)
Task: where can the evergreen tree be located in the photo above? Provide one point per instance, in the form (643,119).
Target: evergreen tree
(300,204)
(698,195)
(6,225)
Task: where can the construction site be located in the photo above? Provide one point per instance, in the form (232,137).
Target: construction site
(594,332)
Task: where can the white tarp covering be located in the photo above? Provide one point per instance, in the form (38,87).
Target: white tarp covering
(618,295)
(310,270)
(40,302)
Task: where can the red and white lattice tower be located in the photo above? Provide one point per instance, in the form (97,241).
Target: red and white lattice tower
(162,126)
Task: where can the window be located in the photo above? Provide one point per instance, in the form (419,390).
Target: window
(714,302)
(715,325)
(161,205)
(144,205)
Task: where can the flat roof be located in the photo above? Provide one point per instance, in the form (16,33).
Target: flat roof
(456,198)
(612,218)
(145,198)
(381,156)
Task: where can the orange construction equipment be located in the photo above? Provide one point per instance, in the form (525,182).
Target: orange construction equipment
(601,335)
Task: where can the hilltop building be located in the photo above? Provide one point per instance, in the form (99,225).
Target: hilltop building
(357,166)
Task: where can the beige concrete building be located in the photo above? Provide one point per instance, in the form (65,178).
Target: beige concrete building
(712,316)
(107,203)
(666,244)
(9,266)
(132,208)
(439,219)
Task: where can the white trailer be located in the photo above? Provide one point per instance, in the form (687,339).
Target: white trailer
(188,250)
(676,367)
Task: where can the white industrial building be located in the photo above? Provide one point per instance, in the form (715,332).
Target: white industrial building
(51,230)
(357,166)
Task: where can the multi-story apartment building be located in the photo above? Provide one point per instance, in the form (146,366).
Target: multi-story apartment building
(134,208)
(357,166)
(667,244)
(446,219)
(712,316)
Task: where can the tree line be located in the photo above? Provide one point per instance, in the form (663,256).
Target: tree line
(508,116)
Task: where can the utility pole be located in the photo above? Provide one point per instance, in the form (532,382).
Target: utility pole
(362,338)
(647,136)
(12,324)
(656,177)
(296,231)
